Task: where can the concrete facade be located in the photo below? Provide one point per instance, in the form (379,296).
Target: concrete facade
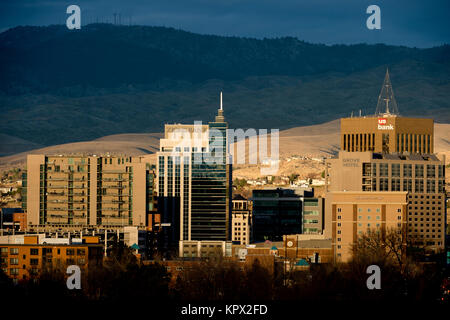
(354,213)
(79,190)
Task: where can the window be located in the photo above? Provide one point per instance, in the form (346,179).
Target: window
(14,251)
(395,184)
(70,252)
(383,169)
(34,262)
(407,170)
(14,261)
(419,170)
(34,251)
(418,185)
(395,170)
(384,184)
(431,171)
(14,271)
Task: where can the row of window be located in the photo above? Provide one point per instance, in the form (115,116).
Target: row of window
(35,251)
(433,171)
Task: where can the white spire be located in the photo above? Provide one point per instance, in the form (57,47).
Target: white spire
(221,105)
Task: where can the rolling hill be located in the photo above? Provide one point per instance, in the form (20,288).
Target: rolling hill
(59,86)
(315,140)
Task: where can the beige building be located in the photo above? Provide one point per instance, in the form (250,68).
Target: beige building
(421,175)
(241,221)
(355,213)
(78,191)
(204,248)
(387,133)
(387,154)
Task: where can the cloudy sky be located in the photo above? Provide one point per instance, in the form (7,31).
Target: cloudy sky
(419,23)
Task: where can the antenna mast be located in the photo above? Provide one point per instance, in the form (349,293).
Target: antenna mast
(386,100)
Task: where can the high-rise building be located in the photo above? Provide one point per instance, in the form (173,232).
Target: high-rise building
(422,176)
(387,153)
(88,191)
(194,181)
(386,131)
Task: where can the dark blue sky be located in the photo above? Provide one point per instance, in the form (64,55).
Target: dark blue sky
(420,23)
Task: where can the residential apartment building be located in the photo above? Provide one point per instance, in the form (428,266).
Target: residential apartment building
(194,182)
(28,260)
(69,191)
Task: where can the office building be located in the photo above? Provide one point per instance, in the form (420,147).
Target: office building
(276,212)
(194,182)
(241,220)
(421,175)
(387,154)
(386,131)
(313,211)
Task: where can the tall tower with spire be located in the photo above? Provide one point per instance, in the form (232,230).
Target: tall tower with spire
(387,131)
(387,105)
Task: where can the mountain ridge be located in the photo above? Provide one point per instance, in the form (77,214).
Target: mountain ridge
(59,86)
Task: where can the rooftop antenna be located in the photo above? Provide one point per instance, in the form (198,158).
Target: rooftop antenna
(220,117)
(386,100)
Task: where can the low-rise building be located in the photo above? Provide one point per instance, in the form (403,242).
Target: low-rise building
(241,220)
(204,248)
(27,260)
(355,213)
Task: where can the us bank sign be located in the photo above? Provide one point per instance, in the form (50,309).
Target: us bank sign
(383,126)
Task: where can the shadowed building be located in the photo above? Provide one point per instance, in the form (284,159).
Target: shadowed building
(27,260)
(276,212)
